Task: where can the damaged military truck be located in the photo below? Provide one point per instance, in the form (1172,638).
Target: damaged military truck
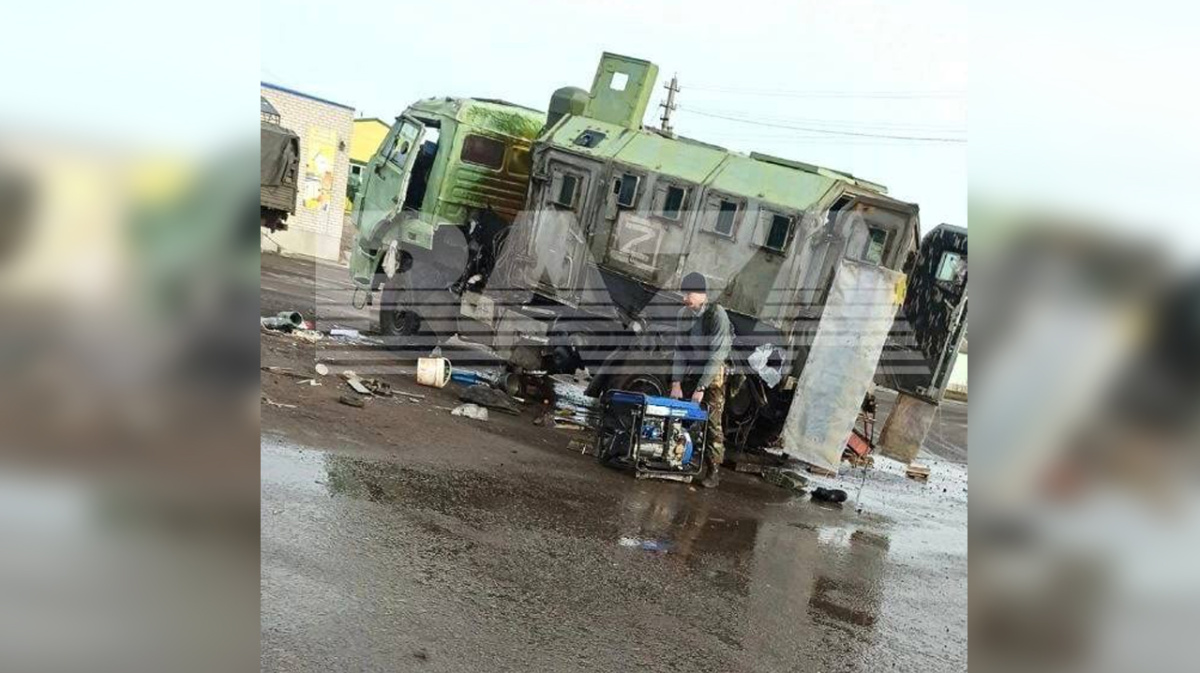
(617,213)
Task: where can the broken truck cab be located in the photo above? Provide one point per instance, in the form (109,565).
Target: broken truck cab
(447,167)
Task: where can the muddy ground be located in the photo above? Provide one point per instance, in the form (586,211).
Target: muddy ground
(399,537)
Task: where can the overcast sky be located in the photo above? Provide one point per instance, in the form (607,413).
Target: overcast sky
(843,68)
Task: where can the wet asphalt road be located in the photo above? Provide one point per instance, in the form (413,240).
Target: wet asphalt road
(443,544)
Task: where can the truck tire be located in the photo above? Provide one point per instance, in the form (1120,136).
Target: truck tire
(648,384)
(396,316)
(638,382)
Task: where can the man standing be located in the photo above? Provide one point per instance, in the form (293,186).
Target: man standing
(702,342)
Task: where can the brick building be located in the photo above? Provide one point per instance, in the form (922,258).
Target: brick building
(325,129)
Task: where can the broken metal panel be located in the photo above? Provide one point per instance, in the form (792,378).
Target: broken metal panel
(621,90)
(843,355)
(906,427)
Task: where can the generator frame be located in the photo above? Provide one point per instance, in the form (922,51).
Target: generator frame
(623,414)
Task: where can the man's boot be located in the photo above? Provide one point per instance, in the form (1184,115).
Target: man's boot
(710,478)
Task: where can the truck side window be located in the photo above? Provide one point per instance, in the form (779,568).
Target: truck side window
(483,151)
(876,244)
(627,190)
(778,232)
(672,202)
(402,145)
(952,268)
(726,218)
(519,161)
(566,191)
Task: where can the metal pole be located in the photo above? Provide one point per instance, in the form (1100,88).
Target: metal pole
(669,105)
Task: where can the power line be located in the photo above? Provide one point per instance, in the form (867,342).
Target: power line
(826,131)
(892,95)
(853,125)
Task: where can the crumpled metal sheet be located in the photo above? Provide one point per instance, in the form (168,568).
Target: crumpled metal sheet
(841,362)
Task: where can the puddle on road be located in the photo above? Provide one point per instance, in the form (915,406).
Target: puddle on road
(285,464)
(789,564)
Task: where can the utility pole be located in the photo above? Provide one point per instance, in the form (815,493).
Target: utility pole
(669,106)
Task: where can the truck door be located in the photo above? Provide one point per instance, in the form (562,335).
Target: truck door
(558,241)
(386,178)
(933,320)
(924,341)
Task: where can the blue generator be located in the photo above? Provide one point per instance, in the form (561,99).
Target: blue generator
(655,437)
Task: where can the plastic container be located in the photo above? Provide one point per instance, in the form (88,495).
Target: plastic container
(433,372)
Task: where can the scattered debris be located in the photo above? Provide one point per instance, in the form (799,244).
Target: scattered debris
(860,461)
(749,468)
(282,371)
(584,444)
(358,386)
(487,396)
(311,336)
(273,403)
(322,369)
(821,471)
(468,377)
(352,401)
(645,545)
(412,396)
(873,539)
(309,382)
(345,332)
(471,411)
(917,472)
(834,495)
(571,403)
(785,478)
(760,362)
(547,416)
(284,321)
(377,387)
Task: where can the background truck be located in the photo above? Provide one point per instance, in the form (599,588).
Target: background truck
(615,213)
(279,158)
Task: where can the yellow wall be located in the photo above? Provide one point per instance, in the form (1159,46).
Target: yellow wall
(368,134)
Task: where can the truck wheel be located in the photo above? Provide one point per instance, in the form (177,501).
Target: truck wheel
(647,384)
(396,317)
(635,381)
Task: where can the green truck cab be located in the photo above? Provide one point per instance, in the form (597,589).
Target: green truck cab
(446,166)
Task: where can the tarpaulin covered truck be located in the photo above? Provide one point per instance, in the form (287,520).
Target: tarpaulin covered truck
(811,264)
(279,158)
